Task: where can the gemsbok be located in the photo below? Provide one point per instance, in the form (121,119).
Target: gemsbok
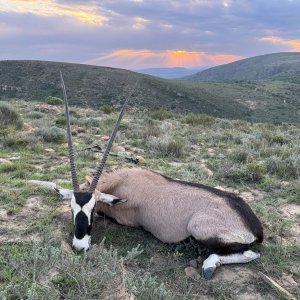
(171,210)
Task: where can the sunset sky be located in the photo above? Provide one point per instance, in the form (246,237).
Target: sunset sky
(136,34)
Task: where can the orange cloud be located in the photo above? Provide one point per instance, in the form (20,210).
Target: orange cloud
(138,59)
(47,8)
(294,44)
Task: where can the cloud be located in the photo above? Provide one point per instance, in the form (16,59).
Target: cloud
(50,8)
(293,44)
(137,59)
(139,23)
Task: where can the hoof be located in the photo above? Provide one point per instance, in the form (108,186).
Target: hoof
(208,272)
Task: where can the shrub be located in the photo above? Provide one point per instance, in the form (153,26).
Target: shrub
(107,109)
(51,134)
(166,147)
(251,172)
(54,100)
(284,168)
(9,117)
(256,170)
(150,129)
(240,155)
(20,140)
(280,139)
(35,115)
(161,114)
(199,119)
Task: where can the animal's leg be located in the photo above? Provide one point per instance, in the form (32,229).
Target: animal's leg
(213,261)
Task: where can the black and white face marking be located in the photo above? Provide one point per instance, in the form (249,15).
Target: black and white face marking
(82,205)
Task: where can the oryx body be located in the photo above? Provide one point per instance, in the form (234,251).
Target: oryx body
(171,210)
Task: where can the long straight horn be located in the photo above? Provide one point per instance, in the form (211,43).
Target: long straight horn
(105,154)
(69,137)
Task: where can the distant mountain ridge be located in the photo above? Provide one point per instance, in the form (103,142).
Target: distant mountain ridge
(280,66)
(170,73)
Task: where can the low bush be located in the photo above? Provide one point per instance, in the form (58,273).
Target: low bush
(19,139)
(54,101)
(256,171)
(51,134)
(161,114)
(199,119)
(284,168)
(9,117)
(166,147)
(35,115)
(107,109)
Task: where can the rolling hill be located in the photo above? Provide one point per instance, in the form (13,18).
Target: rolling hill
(92,86)
(276,66)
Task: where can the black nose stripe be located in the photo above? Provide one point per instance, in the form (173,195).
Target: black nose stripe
(81,225)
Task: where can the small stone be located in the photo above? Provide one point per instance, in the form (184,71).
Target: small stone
(28,128)
(141,159)
(104,138)
(65,247)
(247,196)
(192,272)
(118,148)
(49,150)
(3,215)
(15,158)
(193,263)
(5,161)
(285,183)
(49,108)
(207,170)
(138,151)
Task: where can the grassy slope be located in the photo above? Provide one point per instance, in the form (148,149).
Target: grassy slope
(262,159)
(270,66)
(263,101)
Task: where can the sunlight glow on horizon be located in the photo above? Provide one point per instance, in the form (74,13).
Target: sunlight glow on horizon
(134,59)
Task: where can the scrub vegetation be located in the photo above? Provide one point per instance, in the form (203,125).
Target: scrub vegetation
(260,161)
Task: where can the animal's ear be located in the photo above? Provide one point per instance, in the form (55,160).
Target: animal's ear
(88,180)
(109,199)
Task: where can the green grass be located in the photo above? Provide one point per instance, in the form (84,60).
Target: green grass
(262,158)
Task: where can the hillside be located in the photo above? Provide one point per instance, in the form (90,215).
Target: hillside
(91,86)
(94,86)
(280,66)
